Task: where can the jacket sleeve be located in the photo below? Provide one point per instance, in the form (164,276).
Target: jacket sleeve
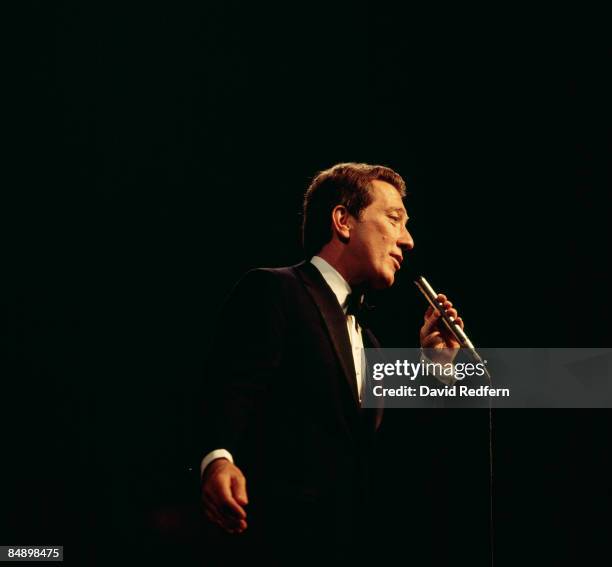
(244,364)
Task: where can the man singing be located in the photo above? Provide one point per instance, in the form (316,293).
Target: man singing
(289,450)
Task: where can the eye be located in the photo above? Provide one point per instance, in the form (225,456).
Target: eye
(394,218)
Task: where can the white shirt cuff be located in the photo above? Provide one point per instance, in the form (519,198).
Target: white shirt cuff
(441,377)
(213,456)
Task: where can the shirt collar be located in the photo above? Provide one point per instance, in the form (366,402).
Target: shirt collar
(334,280)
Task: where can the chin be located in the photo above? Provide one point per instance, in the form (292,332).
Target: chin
(384,281)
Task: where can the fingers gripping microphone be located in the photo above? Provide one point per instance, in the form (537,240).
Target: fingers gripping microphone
(449,321)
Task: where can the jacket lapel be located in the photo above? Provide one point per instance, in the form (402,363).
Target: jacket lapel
(334,319)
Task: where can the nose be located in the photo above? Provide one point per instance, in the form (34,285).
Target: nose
(405,241)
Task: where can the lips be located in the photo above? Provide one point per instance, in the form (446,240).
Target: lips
(398,260)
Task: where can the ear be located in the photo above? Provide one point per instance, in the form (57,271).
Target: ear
(341,222)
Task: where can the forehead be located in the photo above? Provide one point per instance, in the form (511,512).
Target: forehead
(385,196)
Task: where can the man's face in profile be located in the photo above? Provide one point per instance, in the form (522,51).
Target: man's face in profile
(379,237)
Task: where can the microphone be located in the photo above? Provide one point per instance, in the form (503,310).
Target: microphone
(449,321)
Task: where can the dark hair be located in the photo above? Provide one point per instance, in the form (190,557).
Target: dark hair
(346,184)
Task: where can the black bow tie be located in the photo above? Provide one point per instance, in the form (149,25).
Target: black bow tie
(356,306)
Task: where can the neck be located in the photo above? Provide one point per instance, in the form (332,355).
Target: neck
(337,259)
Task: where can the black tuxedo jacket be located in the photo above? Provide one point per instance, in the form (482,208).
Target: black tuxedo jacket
(282,382)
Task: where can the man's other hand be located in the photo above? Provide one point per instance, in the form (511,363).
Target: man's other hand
(224,495)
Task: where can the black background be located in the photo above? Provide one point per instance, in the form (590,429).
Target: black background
(165,149)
